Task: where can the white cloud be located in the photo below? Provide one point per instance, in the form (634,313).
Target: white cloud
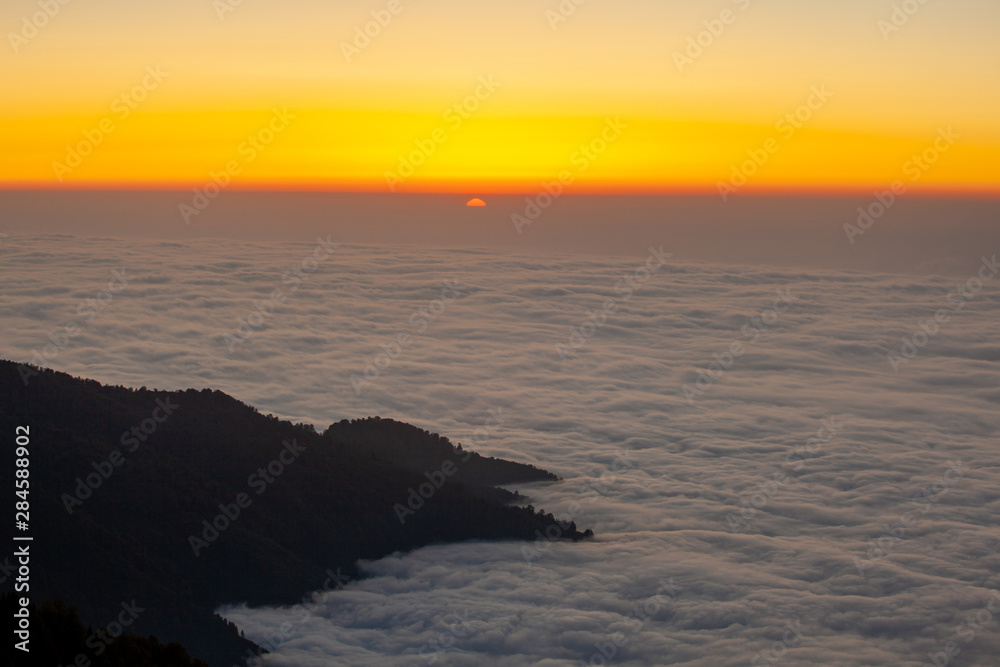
(665,515)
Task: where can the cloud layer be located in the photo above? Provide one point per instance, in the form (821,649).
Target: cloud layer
(761,454)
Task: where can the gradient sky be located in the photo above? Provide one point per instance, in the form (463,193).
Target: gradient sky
(558,88)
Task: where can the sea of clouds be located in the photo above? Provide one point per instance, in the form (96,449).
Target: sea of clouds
(782,466)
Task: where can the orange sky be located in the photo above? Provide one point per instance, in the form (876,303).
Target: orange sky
(449,96)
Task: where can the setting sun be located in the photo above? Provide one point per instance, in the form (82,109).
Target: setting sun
(682,396)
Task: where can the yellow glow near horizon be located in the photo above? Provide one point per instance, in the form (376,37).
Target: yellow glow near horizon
(501,98)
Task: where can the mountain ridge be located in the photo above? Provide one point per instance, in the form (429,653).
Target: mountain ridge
(188,500)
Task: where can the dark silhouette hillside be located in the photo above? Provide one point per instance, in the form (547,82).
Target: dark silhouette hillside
(60,638)
(183,501)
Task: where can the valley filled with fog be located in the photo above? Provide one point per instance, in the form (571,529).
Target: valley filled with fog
(781,465)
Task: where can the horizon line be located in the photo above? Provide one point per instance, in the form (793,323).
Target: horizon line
(505,189)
